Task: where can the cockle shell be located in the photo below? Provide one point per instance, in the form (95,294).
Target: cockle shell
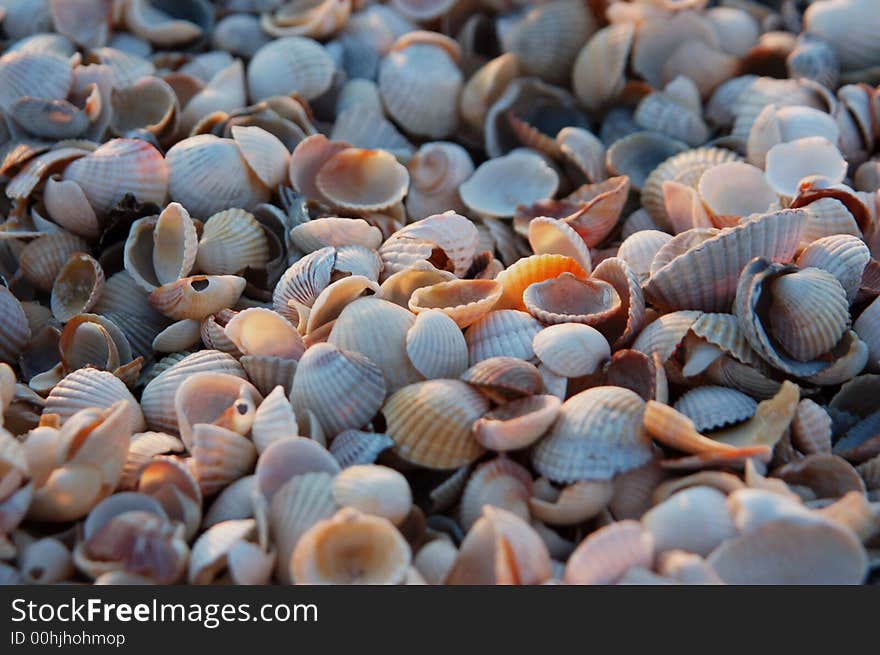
(846,25)
(34,75)
(42,259)
(484,88)
(77,287)
(842,255)
(436,171)
(198,296)
(218,399)
(777,124)
(517,423)
(499,185)
(499,483)
(262,332)
(351,447)
(430,423)
(464,301)
(343,389)
(436,346)
(504,378)
(376,490)
(148,104)
(571,349)
(448,241)
(272,72)
(506,332)
(333,231)
(696,520)
(516,278)
(220,456)
(362,180)
(711,407)
(90,388)
(599,73)
(567,299)
(735,189)
(788,163)
(608,553)
(598,433)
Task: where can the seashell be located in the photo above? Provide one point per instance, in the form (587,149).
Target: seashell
(306,161)
(599,72)
(76,287)
(501,548)
(554,237)
(167,26)
(567,299)
(685,168)
(383,344)
(639,249)
(737,30)
(584,150)
(420,81)
(711,407)
(707,66)
(265,373)
(261,332)
(659,38)
(375,490)
(846,27)
(638,372)
(219,456)
(637,155)
(351,548)
(198,296)
(271,71)
(506,332)
(866,327)
(499,185)
(517,423)
(783,124)
(362,180)
(811,428)
(314,19)
(464,301)
(288,458)
(571,349)
(723,271)
(829,554)
(531,270)
(436,346)
(50,119)
(148,104)
(448,241)
(157,399)
(301,284)
(430,423)
(504,378)
(735,189)
(45,561)
(325,383)
(13,326)
(174,486)
(208,175)
(598,434)
(574,504)
(609,552)
(218,399)
(88,388)
(842,255)
(273,420)
(436,171)
(604,201)
(212,551)
(144,449)
(174,244)
(336,232)
(809,314)
(239,34)
(696,520)
(352,447)
(264,153)
(118,167)
(565,24)
(485,86)
(498,483)
(434,560)
(829,476)
(43,258)
(662,113)
(35,75)
(332,300)
(182,335)
(788,163)
(369,129)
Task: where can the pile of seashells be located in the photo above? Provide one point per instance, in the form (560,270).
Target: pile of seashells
(440,291)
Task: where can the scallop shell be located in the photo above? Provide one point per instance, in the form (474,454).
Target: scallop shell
(220,456)
(90,388)
(198,296)
(343,389)
(499,185)
(383,343)
(420,83)
(374,490)
(292,64)
(430,423)
(436,346)
(504,378)
(362,180)
(598,434)
(660,112)
(711,407)
(351,548)
(608,553)
(517,423)
(34,75)
(149,104)
(571,349)
(464,301)
(302,283)
(713,271)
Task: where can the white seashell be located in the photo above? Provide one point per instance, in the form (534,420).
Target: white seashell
(571,349)
(789,163)
(436,346)
(376,490)
(499,185)
(695,520)
(292,64)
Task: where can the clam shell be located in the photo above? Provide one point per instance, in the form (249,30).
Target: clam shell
(232,240)
(261,332)
(175,243)
(14,327)
(157,399)
(571,349)
(436,171)
(41,260)
(374,490)
(76,287)
(34,75)
(337,232)
(573,504)
(420,84)
(777,124)
(344,389)
(90,388)
(567,299)
(306,161)
(362,180)
(603,203)
(811,428)
(499,185)
(335,298)
(484,88)
(637,155)
(436,346)
(118,167)
(198,296)
(453,235)
(842,255)
(713,270)
(660,37)
(430,423)
(377,329)
(351,548)
(265,373)
(504,378)
(789,163)
(639,249)
(212,551)
(292,64)
(289,458)
(144,449)
(696,520)
(554,237)
(711,407)
(208,175)
(301,284)
(506,332)
(599,72)
(735,189)
(517,423)
(661,113)
(866,327)
(273,420)
(598,434)
(498,483)
(516,278)
(464,301)
(369,129)
(220,457)
(352,447)
(847,26)
(608,553)
(149,104)
(218,399)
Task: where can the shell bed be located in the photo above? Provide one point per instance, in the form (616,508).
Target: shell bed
(440,292)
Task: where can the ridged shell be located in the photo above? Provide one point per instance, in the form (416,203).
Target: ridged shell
(516,278)
(262,332)
(42,259)
(554,237)
(232,240)
(598,434)
(76,287)
(504,378)
(599,73)
(431,422)
(352,447)
(198,296)
(464,301)
(517,423)
(343,389)
(175,243)
(436,346)
(333,231)
(848,27)
(788,163)
(436,171)
(362,180)
(571,349)
(90,388)
(842,255)
(455,236)
(567,299)
(375,490)
(506,332)
(15,332)
(711,407)
(35,75)
(290,65)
